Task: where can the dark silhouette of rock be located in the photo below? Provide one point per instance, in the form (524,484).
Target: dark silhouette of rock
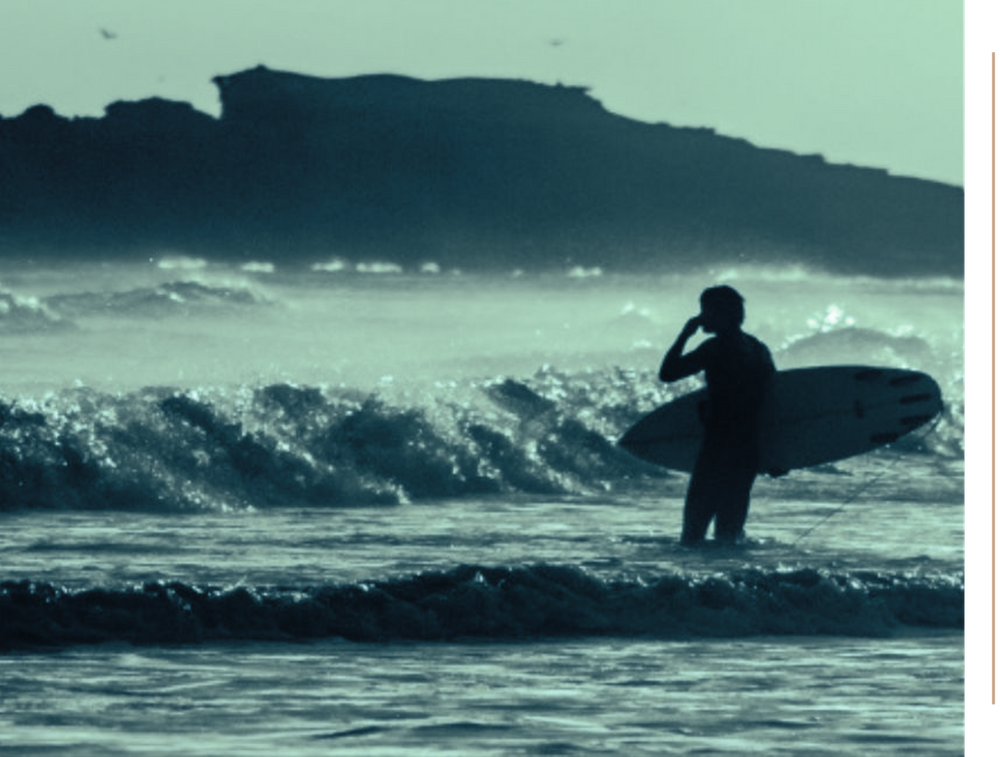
(471,173)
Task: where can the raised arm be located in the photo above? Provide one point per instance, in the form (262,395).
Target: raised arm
(677,365)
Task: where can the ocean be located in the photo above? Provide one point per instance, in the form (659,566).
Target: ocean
(357,509)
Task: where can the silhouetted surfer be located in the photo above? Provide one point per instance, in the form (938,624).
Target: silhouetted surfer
(738,370)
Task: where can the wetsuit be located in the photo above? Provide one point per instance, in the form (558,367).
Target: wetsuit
(738,370)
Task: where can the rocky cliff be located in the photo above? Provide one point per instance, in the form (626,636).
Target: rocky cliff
(471,173)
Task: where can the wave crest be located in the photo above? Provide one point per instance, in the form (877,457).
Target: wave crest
(289,445)
(171,298)
(28,315)
(477,602)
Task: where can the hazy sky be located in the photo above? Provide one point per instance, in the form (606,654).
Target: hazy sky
(871,82)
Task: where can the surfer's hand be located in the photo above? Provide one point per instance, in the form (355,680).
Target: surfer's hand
(692,326)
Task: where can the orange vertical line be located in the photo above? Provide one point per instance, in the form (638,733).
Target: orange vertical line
(993,378)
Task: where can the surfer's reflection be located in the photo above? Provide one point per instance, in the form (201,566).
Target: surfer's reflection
(738,370)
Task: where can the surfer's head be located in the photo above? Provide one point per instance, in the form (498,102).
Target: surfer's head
(721,309)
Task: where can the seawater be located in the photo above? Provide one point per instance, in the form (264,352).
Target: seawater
(383,513)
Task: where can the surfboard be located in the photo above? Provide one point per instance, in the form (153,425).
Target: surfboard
(811,416)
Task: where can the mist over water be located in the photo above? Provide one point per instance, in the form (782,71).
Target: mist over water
(222,325)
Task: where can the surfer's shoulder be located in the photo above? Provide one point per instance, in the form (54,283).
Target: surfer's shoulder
(756,343)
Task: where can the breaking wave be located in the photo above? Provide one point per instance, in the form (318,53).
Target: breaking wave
(474,602)
(163,449)
(171,298)
(28,315)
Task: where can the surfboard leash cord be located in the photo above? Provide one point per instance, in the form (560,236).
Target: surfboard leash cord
(868,482)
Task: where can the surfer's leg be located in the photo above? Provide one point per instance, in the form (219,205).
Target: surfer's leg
(700,502)
(697,516)
(734,498)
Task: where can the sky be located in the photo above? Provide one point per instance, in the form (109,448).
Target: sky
(870,82)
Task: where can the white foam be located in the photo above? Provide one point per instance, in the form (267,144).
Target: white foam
(379,268)
(334,265)
(181,263)
(257,267)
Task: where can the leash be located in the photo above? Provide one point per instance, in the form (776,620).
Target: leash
(865,484)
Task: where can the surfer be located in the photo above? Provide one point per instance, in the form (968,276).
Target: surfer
(738,370)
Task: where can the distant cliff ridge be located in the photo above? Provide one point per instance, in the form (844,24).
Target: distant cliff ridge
(468,173)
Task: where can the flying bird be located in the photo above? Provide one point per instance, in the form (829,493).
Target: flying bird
(108,35)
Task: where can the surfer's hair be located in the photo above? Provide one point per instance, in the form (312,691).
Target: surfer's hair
(725,300)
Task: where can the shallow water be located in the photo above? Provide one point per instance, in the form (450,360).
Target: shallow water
(801,696)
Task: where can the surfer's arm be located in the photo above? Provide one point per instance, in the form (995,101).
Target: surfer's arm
(677,365)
